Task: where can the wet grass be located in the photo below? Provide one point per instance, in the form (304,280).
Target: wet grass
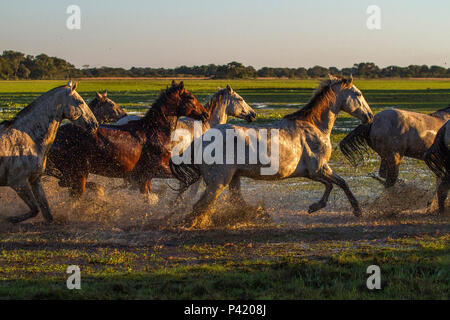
(411,268)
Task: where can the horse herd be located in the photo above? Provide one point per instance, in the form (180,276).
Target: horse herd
(138,149)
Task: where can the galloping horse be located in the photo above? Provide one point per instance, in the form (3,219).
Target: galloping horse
(106,110)
(394,134)
(437,159)
(135,151)
(224,103)
(26,140)
(304,148)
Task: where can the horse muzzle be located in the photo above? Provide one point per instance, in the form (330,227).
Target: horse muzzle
(250,117)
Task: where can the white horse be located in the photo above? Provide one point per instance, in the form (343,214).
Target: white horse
(26,140)
(304,148)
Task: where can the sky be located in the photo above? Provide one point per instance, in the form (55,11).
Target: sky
(275,33)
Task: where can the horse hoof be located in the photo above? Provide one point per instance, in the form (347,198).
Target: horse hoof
(315,207)
(152,199)
(357,212)
(48,220)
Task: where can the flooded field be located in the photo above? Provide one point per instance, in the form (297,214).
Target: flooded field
(130,245)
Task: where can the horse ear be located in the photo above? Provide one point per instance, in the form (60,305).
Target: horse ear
(69,84)
(99,96)
(229,88)
(173,83)
(331,77)
(105,93)
(350,79)
(74,86)
(181,85)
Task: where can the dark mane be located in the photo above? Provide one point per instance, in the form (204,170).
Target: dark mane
(445,109)
(94,103)
(322,98)
(166,97)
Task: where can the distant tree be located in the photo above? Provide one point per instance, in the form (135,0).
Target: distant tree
(14,58)
(317,72)
(301,73)
(15,65)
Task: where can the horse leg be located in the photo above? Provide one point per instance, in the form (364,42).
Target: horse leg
(26,194)
(236,196)
(78,186)
(392,169)
(332,177)
(39,194)
(145,188)
(323,201)
(442,192)
(200,216)
(193,189)
(382,172)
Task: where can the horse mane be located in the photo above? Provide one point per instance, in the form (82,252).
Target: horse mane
(445,109)
(166,97)
(214,101)
(94,103)
(322,97)
(38,101)
(437,157)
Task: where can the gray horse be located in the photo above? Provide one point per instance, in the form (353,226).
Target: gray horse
(300,145)
(394,134)
(26,140)
(437,159)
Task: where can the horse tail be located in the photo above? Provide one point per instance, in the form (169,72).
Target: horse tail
(186,173)
(437,156)
(355,145)
(52,170)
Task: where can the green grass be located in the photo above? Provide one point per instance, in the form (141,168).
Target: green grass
(280,96)
(411,268)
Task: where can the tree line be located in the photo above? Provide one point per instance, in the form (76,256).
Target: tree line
(16,65)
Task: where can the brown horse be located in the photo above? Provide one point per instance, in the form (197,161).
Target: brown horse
(105,110)
(135,151)
(437,159)
(394,134)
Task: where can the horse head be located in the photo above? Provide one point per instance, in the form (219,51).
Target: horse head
(106,110)
(236,105)
(351,100)
(186,104)
(76,110)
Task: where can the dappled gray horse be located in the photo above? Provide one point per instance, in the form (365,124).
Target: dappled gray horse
(105,110)
(437,159)
(26,140)
(304,148)
(394,134)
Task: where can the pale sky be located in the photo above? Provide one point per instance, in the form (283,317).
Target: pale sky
(281,33)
